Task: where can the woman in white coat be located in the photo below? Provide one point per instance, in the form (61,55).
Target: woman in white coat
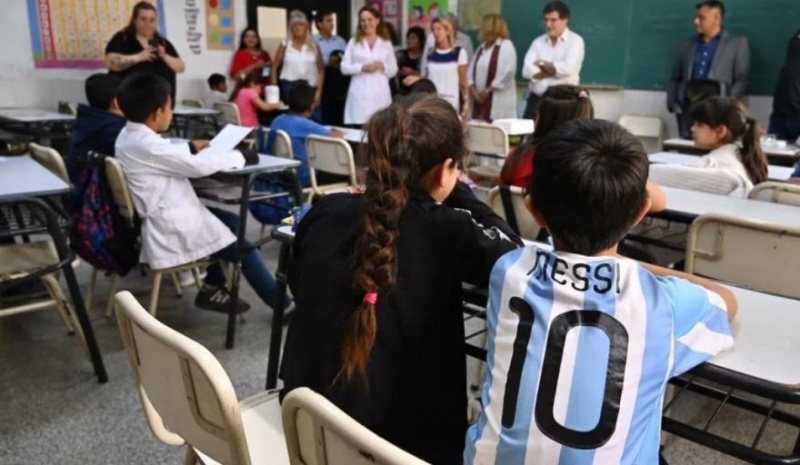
(491,73)
(371,61)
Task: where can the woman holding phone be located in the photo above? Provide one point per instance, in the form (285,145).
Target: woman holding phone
(140,48)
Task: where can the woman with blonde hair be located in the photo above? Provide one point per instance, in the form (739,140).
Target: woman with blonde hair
(492,72)
(299,59)
(370,59)
(446,67)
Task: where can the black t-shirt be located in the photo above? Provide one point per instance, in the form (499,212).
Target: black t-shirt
(127,44)
(787,92)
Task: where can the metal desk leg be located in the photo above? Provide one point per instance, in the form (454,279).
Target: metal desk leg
(241,237)
(276,330)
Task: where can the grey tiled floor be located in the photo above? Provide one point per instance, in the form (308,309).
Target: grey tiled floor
(53,410)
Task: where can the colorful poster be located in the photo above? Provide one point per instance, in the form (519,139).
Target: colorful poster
(422,12)
(74,33)
(220,25)
(390,12)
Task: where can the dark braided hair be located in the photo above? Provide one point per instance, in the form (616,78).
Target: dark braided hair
(408,141)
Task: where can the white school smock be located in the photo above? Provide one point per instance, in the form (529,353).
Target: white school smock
(442,70)
(368,92)
(176,227)
(504,98)
(299,64)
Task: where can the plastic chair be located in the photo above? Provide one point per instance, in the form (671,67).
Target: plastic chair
(50,159)
(513,210)
(777,192)
(67,108)
(192,102)
(649,129)
(282,147)
(756,255)
(330,155)
(189,399)
(229,113)
(319,433)
(490,143)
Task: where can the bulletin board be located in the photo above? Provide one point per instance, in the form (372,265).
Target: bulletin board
(220,25)
(74,33)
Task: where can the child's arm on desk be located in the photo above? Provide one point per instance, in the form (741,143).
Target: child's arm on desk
(177,160)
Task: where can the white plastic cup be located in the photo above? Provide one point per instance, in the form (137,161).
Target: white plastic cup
(273,94)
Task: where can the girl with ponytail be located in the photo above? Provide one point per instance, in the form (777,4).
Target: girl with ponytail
(377,280)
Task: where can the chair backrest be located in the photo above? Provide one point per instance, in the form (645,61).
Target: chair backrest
(192,102)
(67,108)
(282,146)
(711,180)
(50,159)
(649,129)
(120,193)
(752,254)
(229,113)
(182,386)
(513,210)
(319,433)
(777,192)
(487,139)
(330,155)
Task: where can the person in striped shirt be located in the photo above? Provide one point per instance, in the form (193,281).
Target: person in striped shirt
(582,342)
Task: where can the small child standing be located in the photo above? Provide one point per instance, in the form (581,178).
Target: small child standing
(217,90)
(247,98)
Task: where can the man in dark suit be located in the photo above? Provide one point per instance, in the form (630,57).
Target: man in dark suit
(785,119)
(715,62)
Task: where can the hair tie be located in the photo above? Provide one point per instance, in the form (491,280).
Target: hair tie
(371,298)
(583,94)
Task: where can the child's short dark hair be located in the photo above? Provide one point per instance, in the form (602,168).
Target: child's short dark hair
(101,90)
(141,94)
(589,184)
(422,86)
(215,80)
(301,97)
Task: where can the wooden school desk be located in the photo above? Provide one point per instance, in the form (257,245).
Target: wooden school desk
(784,157)
(774,173)
(24,182)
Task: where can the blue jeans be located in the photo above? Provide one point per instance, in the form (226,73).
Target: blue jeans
(253,268)
(787,129)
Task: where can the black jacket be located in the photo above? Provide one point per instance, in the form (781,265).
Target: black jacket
(416,397)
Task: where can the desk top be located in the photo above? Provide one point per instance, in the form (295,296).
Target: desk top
(356,136)
(22,176)
(775,173)
(789,152)
(266,164)
(33,115)
(193,111)
(694,203)
(767,343)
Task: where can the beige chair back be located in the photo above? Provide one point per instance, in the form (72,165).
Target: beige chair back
(67,108)
(119,189)
(649,129)
(186,394)
(229,113)
(282,146)
(526,226)
(192,103)
(746,253)
(50,159)
(319,433)
(487,139)
(777,192)
(330,155)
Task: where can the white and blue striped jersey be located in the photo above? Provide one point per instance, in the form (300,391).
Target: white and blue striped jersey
(580,350)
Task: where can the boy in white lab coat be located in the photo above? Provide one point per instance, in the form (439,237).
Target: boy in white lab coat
(176,227)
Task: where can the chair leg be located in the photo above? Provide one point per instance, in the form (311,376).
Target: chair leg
(54,290)
(196,276)
(157,275)
(190,458)
(90,291)
(177,283)
(110,304)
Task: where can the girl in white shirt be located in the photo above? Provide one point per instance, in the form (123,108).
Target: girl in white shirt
(492,71)
(370,59)
(299,58)
(446,67)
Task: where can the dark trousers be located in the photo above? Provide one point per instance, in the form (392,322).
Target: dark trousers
(253,268)
(531,106)
(685,123)
(785,128)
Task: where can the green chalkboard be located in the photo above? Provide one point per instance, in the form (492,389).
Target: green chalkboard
(634,43)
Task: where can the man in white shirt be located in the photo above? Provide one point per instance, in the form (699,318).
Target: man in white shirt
(553,58)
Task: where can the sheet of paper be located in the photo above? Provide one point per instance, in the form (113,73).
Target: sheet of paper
(227,139)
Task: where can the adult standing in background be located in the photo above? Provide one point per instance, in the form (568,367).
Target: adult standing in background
(714,54)
(410,59)
(492,72)
(250,56)
(462,40)
(370,60)
(553,58)
(785,119)
(299,58)
(326,40)
(140,48)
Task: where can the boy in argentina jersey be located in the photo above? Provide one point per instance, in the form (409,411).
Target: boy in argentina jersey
(581,341)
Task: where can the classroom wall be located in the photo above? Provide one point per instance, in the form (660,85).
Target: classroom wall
(22,85)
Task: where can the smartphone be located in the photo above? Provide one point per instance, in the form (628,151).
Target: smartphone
(265,71)
(154,42)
